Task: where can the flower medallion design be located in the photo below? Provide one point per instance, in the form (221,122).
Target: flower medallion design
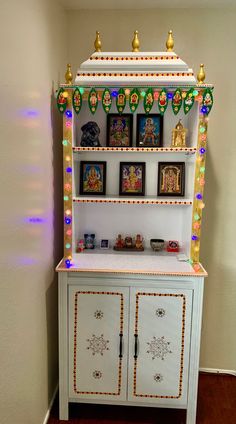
(97,344)
(98,314)
(160,312)
(158,378)
(97,374)
(158,347)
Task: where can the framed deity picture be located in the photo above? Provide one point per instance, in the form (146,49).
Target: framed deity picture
(171,179)
(132,179)
(92,178)
(119,130)
(149,130)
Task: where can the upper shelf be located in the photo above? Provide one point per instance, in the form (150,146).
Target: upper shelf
(186,150)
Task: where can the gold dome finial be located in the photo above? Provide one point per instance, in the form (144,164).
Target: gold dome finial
(135,42)
(201,74)
(97,42)
(170,42)
(68,74)
(179,126)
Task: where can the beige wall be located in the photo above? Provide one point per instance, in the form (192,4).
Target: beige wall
(33,51)
(206,36)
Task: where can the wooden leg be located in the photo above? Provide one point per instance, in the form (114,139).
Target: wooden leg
(194,353)
(63,347)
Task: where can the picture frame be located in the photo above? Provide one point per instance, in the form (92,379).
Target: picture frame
(132,178)
(149,131)
(93,178)
(104,244)
(119,130)
(171,179)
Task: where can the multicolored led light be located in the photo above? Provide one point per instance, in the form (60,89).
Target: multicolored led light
(69,114)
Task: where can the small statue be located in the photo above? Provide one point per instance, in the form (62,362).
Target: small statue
(89,241)
(179,136)
(119,242)
(139,242)
(128,242)
(80,246)
(90,135)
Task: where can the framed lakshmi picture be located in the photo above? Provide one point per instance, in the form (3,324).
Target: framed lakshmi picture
(92,178)
(119,130)
(132,179)
(171,179)
(149,130)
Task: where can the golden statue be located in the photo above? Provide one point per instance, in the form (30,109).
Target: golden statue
(179,136)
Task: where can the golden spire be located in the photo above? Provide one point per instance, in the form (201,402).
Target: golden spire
(68,75)
(169,42)
(201,74)
(97,42)
(135,42)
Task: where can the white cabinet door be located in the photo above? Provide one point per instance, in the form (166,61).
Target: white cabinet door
(159,345)
(98,342)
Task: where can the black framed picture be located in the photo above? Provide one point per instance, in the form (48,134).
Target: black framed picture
(132,179)
(104,244)
(93,177)
(171,179)
(119,130)
(149,130)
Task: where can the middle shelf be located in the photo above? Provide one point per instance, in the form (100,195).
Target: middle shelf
(147,200)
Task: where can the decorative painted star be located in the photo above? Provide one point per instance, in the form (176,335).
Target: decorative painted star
(158,347)
(97,344)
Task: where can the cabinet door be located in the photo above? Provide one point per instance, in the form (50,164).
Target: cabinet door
(98,342)
(159,345)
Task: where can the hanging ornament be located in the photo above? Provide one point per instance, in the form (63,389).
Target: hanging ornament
(207,100)
(93,100)
(134,99)
(77,100)
(177,101)
(188,101)
(120,100)
(106,100)
(148,100)
(163,101)
(61,100)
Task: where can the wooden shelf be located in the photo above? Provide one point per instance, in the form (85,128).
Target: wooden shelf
(186,150)
(135,200)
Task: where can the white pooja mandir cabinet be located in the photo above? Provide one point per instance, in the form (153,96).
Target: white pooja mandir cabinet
(130,322)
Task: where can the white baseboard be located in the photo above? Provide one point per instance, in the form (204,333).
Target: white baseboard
(218,371)
(50,405)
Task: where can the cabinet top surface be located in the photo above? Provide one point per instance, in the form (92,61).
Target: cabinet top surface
(130,263)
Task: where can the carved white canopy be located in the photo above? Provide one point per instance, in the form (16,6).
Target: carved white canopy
(129,68)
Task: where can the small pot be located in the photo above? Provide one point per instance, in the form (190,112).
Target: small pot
(157,244)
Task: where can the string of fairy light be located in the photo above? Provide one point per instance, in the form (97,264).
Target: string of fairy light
(198,204)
